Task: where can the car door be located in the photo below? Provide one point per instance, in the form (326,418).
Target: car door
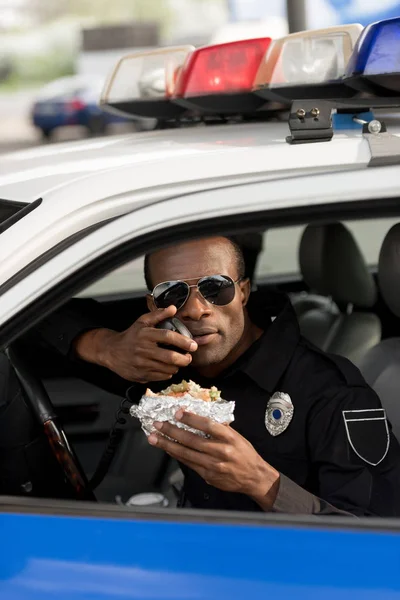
(66,551)
(87,550)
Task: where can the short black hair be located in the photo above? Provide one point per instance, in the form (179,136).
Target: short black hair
(237,251)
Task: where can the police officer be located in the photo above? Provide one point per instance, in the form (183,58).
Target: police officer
(309,436)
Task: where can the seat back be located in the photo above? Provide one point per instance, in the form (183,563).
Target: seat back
(336,319)
(381,370)
(381,365)
(310,257)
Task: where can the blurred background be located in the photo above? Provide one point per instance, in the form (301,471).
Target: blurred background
(55,54)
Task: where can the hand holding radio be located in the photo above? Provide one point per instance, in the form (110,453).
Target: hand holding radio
(154,348)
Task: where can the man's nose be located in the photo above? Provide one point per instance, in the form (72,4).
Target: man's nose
(195,307)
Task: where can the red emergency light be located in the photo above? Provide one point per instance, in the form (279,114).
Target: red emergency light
(220,78)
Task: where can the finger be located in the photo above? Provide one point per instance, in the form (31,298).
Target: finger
(171,338)
(147,365)
(152,376)
(187,438)
(180,452)
(169,357)
(216,430)
(154,317)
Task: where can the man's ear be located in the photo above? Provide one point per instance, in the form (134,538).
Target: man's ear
(150,303)
(245,288)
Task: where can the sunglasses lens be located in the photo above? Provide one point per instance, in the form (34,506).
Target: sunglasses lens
(170,293)
(218,289)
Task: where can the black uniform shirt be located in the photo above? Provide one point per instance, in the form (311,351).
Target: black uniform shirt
(331,457)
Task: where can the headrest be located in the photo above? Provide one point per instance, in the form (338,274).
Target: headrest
(389,269)
(332,265)
(310,258)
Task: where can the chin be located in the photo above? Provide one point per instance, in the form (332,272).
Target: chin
(207,357)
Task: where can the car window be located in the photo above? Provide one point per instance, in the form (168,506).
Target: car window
(278,257)
(279,254)
(9,209)
(127,279)
(370,234)
(11,212)
(280,246)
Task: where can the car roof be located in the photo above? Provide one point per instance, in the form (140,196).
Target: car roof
(244,148)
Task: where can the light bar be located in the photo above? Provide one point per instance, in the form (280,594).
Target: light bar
(309,64)
(375,63)
(142,83)
(220,78)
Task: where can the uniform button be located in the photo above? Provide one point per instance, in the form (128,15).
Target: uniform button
(206,496)
(61,337)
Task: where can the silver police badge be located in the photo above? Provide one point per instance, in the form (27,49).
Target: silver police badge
(279,413)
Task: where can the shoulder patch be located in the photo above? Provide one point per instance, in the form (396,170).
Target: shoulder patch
(368,434)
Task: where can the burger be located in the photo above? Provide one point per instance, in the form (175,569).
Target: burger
(188,395)
(190,388)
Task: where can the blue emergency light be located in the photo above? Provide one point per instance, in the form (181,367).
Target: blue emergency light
(375,63)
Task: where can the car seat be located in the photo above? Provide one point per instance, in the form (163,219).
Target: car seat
(335,315)
(381,364)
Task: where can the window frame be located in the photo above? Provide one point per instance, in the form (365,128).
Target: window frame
(18,210)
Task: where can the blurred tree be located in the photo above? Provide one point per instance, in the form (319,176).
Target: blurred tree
(119,10)
(43,11)
(38,12)
(104,11)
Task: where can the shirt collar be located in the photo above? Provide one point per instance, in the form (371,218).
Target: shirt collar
(269,357)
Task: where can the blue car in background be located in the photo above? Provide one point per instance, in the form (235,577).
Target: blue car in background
(72,101)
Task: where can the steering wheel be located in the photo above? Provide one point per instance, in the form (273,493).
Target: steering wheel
(44,411)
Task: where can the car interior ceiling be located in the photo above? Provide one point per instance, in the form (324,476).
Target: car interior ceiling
(340,308)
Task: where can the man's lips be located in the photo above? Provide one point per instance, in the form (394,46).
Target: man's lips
(205,336)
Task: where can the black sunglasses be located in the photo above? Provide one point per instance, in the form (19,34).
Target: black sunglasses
(216,289)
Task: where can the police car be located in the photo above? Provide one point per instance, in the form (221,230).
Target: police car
(294,142)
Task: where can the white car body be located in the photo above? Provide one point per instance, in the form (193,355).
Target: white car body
(162,178)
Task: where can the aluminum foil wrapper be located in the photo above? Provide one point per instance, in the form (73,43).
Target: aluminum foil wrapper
(164,408)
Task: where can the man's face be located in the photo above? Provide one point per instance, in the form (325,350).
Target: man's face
(218,330)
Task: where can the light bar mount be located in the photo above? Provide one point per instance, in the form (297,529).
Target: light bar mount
(310,121)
